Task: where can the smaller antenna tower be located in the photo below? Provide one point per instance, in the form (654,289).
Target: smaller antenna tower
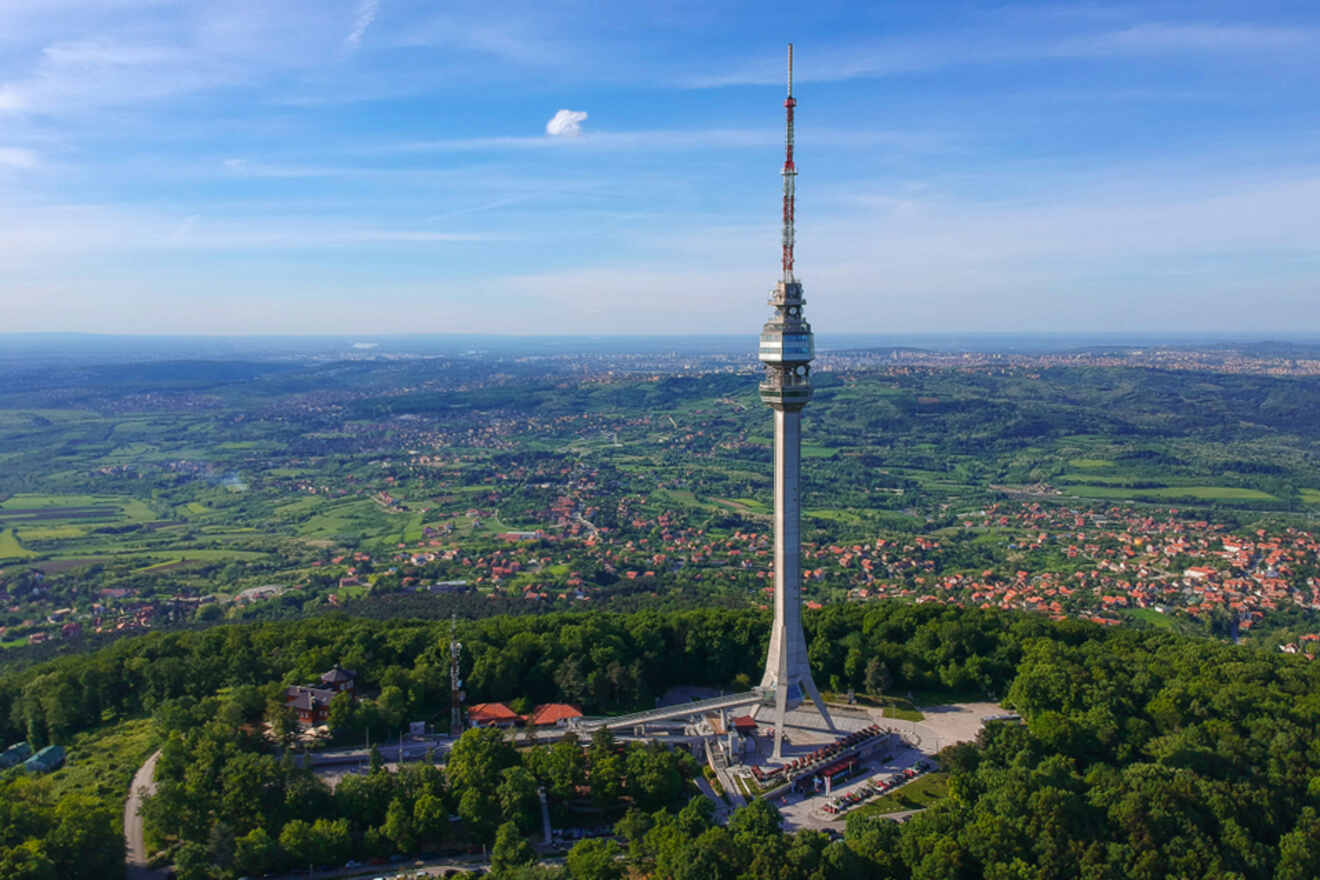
(456,694)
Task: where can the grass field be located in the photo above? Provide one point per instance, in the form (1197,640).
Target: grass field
(745,506)
(1149,615)
(834,515)
(159,566)
(1198,493)
(52,533)
(28,501)
(685,497)
(1310,496)
(917,794)
(1113,480)
(894,707)
(102,762)
(1090,463)
(10,548)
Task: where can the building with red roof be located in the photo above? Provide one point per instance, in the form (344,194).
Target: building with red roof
(550,714)
(492,715)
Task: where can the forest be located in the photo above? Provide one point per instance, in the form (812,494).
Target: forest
(1143,753)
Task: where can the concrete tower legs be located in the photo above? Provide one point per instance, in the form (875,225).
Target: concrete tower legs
(787,669)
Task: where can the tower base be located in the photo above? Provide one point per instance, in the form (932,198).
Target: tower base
(779,699)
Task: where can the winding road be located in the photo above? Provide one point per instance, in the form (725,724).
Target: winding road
(135,846)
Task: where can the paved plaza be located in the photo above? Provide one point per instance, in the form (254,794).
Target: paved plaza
(914,741)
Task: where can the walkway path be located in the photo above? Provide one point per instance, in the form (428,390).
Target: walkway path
(135,847)
(721,808)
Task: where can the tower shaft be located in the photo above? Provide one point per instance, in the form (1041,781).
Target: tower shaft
(786,350)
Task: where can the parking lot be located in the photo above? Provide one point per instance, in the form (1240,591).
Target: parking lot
(806,811)
(941,727)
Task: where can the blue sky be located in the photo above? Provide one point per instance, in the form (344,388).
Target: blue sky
(383,166)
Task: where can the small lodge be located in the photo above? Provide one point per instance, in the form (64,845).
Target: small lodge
(553,715)
(339,679)
(311,704)
(492,715)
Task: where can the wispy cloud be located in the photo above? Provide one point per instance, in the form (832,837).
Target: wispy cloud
(1192,37)
(677,139)
(37,233)
(17,157)
(362,19)
(566,123)
(928,52)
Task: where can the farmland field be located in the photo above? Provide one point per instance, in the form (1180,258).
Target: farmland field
(10,548)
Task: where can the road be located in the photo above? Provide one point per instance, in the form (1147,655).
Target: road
(721,808)
(135,847)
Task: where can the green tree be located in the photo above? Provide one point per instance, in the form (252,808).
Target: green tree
(430,818)
(297,842)
(480,811)
(652,775)
(759,819)
(393,705)
(331,839)
(255,853)
(343,714)
(511,850)
(606,778)
(561,768)
(696,816)
(192,862)
(282,721)
(1299,849)
(477,759)
(399,827)
(595,859)
(518,799)
(84,841)
(877,678)
(27,861)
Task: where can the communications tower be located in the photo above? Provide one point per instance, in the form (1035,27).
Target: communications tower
(786,350)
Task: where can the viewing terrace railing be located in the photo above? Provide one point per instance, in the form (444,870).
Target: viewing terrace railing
(664,713)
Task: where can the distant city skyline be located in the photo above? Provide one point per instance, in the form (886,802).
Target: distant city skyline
(373,167)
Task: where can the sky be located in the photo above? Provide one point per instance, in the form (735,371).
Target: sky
(381,166)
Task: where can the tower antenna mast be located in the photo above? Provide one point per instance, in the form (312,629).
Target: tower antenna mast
(790,175)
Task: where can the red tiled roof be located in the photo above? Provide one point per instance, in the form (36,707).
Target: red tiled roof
(484,712)
(744,721)
(552,713)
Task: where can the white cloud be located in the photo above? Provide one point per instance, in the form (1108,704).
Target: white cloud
(362,19)
(566,123)
(16,157)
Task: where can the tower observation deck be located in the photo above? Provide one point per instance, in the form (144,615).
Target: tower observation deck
(786,351)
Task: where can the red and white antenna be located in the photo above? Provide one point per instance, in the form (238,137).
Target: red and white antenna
(790,173)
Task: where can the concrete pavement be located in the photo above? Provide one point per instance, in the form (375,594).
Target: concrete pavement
(135,847)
